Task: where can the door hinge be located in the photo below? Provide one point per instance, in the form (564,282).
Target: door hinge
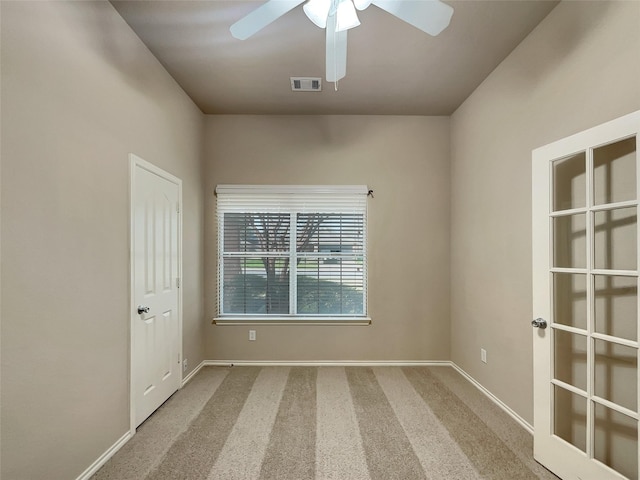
(177,208)
(178,359)
(177,282)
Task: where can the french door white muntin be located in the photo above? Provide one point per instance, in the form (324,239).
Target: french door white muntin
(156,299)
(585,287)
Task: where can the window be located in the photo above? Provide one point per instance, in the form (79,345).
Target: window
(292,252)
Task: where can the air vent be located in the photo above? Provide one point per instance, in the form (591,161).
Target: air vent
(306,84)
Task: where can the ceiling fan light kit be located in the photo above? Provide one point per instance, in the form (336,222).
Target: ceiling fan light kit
(361,4)
(338,16)
(317,11)
(346,16)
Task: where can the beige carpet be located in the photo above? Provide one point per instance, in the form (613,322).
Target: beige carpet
(350,423)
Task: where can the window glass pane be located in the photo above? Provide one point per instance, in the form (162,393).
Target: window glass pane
(256,285)
(569,182)
(330,286)
(266,233)
(256,232)
(614,172)
(330,264)
(570,417)
(570,299)
(570,241)
(616,302)
(331,233)
(615,244)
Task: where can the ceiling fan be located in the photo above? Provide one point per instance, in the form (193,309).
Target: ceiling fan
(338,16)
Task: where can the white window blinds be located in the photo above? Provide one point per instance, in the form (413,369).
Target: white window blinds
(291,251)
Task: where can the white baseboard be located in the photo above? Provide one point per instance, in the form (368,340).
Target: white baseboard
(93,468)
(193,373)
(325,363)
(526,425)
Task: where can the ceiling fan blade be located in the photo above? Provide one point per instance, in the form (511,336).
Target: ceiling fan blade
(430,16)
(336,51)
(261,17)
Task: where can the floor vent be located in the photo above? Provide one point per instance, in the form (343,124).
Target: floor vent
(306,84)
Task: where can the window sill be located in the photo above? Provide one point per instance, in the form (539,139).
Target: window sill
(293,321)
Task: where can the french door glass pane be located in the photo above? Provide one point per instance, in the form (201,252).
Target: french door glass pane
(616,441)
(615,376)
(570,364)
(615,239)
(569,182)
(616,306)
(570,417)
(570,299)
(614,172)
(570,241)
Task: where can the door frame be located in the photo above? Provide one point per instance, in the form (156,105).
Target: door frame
(603,134)
(135,163)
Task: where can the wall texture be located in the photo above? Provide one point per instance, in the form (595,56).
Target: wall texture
(79,92)
(580,67)
(405,160)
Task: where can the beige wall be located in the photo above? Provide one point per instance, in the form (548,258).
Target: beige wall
(79,92)
(405,160)
(578,68)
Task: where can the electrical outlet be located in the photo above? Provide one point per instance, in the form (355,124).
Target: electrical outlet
(184,365)
(252,335)
(483,355)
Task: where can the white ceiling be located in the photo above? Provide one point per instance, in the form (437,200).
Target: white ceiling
(392,67)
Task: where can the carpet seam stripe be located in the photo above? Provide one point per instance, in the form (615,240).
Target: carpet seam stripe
(468,429)
(198,447)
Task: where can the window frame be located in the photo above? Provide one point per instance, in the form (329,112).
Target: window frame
(291,200)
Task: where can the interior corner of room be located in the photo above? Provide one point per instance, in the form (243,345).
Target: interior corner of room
(449,229)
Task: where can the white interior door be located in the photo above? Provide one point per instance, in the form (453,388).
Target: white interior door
(156,336)
(585,289)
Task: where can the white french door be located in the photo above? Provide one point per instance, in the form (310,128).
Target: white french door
(585,300)
(156,335)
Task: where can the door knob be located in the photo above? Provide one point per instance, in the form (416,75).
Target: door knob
(539,323)
(142,309)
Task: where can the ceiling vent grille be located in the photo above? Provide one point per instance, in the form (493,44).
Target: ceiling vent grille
(306,84)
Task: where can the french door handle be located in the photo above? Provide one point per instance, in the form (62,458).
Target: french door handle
(539,323)
(142,309)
